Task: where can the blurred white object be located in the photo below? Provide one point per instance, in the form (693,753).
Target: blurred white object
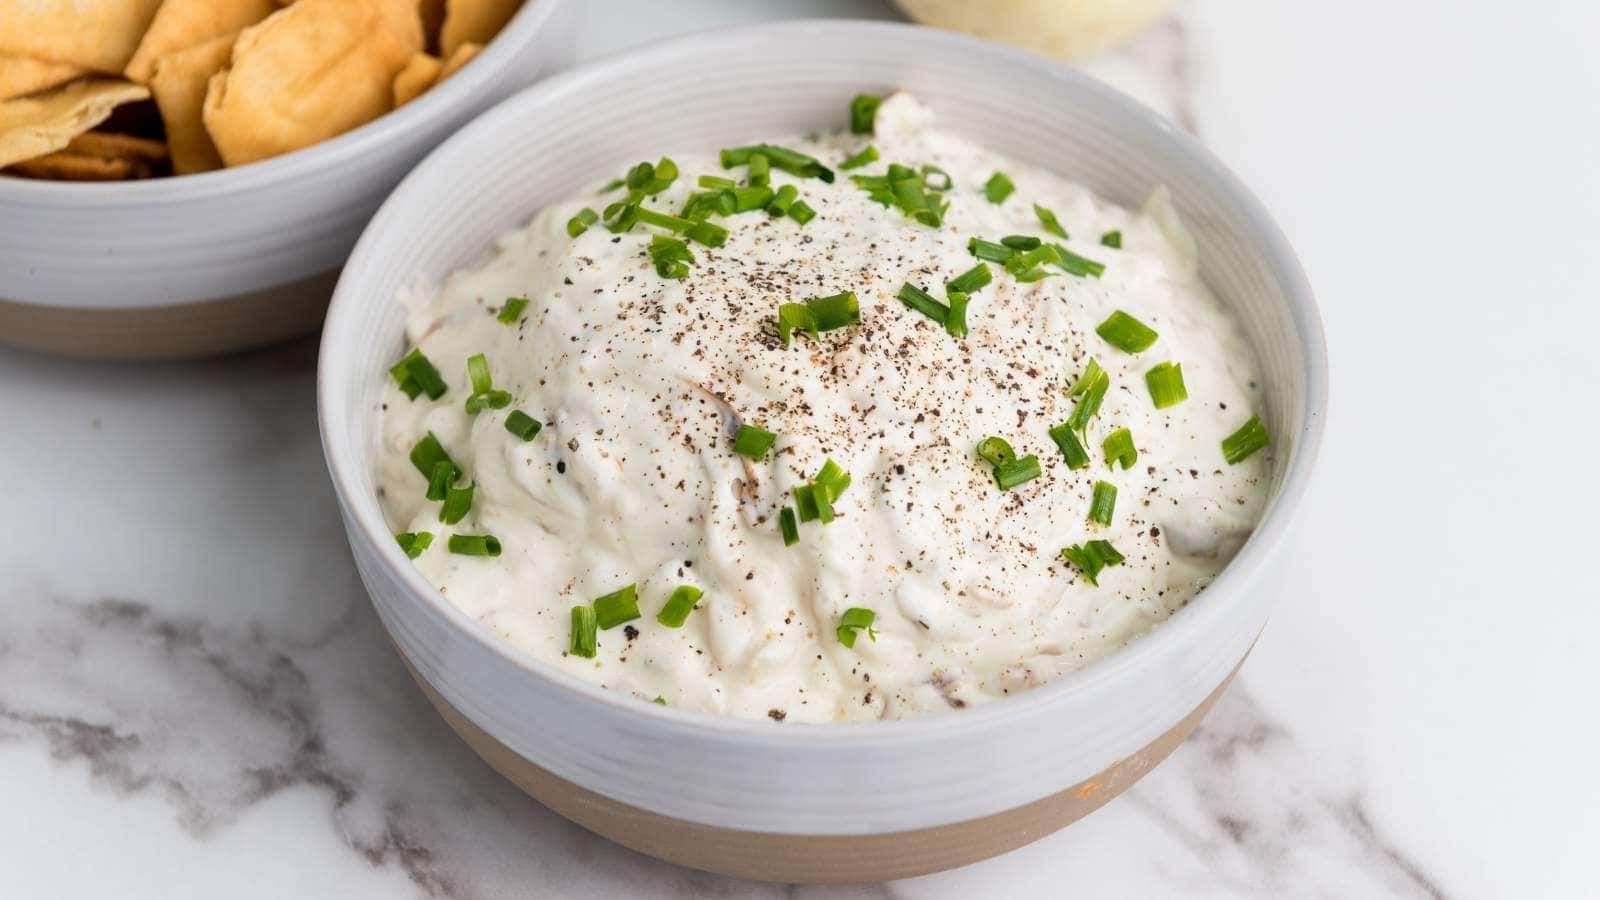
(1064,29)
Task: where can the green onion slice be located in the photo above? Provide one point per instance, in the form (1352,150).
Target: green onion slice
(1166,385)
(787,525)
(783,200)
(670,255)
(679,605)
(512,310)
(1240,445)
(832,479)
(444,475)
(1071,448)
(1018,471)
(972,280)
(1092,557)
(1126,333)
(457,503)
(1092,374)
(522,425)
(794,317)
(412,543)
(748,199)
(1118,448)
(852,621)
(792,161)
(1073,264)
(474,544)
(956,322)
(867,154)
(617,607)
(836,311)
(1104,502)
(1089,403)
(478,372)
(1021,241)
(753,442)
(420,371)
(989,250)
(935,179)
(585,637)
(801,212)
(760,170)
(996,451)
(863,109)
(1025,266)
(998,187)
(1049,221)
(923,302)
(1112,239)
(805,502)
(717,182)
(427,454)
(580,223)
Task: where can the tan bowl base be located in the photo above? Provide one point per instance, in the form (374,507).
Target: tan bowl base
(179,331)
(818,859)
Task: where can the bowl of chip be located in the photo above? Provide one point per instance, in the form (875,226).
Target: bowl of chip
(180,178)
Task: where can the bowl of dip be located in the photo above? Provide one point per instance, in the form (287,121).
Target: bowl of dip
(237,257)
(810,513)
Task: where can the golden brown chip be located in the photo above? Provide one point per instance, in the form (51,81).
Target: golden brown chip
(473,21)
(98,156)
(99,35)
(418,75)
(179,85)
(181,24)
(47,122)
(308,72)
(463,55)
(20,75)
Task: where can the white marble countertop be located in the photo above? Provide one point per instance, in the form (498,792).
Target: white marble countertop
(196,699)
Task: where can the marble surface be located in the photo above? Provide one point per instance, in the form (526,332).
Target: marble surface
(197,701)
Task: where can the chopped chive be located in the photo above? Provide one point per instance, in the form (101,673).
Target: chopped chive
(922,302)
(782,200)
(823,503)
(619,606)
(1126,333)
(794,317)
(428,453)
(791,161)
(863,109)
(1091,558)
(786,524)
(832,479)
(867,154)
(474,544)
(412,543)
(1090,391)
(805,502)
(1073,264)
(836,311)
(759,173)
(1018,471)
(478,372)
(1104,502)
(444,475)
(996,451)
(659,700)
(717,182)
(408,385)
(998,187)
(753,442)
(956,322)
(1092,374)
(421,371)
(970,281)
(700,205)
(623,222)
(1049,221)
(1166,384)
(663,220)
(1021,241)
(1071,448)
(1240,445)
(679,605)
(585,637)
(670,255)
(522,425)
(747,199)
(457,503)
(1027,266)
(708,234)
(1111,239)
(488,400)
(935,178)
(1118,448)
(736,156)
(640,176)
(989,250)
(512,310)
(802,212)
(852,621)
(580,223)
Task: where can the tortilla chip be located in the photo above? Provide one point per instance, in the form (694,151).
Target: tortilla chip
(100,35)
(98,156)
(179,85)
(463,55)
(418,75)
(432,13)
(181,24)
(20,76)
(473,21)
(45,123)
(307,73)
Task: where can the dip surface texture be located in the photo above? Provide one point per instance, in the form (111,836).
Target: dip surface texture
(639,381)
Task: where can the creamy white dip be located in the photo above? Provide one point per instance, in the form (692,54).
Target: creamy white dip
(638,380)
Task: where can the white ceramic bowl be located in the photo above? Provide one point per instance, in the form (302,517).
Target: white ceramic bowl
(834,802)
(238,257)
